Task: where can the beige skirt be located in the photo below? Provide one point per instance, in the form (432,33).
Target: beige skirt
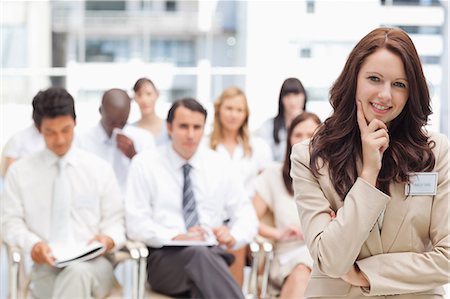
(288,256)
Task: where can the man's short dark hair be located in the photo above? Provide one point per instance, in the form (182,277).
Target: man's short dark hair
(51,103)
(189,103)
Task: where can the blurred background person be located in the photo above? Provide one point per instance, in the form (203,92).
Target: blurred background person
(291,102)
(184,192)
(230,137)
(145,95)
(21,144)
(249,155)
(291,267)
(112,138)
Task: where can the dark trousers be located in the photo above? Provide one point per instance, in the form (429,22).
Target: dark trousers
(192,272)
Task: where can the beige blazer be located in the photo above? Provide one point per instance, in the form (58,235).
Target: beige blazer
(410,258)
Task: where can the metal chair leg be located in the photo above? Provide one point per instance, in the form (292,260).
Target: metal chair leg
(252,292)
(268,257)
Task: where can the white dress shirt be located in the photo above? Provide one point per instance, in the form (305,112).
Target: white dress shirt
(154,196)
(23,143)
(97,142)
(248,167)
(266,132)
(96,207)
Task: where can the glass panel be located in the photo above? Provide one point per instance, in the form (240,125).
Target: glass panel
(430,59)
(416,2)
(171,5)
(102,50)
(220,82)
(13,46)
(422,29)
(180,87)
(226,51)
(227,35)
(177,51)
(105,5)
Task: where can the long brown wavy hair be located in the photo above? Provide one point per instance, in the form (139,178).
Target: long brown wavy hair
(217,132)
(338,142)
(287,179)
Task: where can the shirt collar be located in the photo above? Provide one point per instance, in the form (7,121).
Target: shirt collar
(177,161)
(101,132)
(50,158)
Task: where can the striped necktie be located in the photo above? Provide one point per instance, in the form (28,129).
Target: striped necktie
(189,211)
(60,217)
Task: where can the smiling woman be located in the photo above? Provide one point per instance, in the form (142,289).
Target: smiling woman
(390,235)
(382,86)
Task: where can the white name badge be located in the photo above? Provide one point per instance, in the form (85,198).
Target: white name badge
(422,183)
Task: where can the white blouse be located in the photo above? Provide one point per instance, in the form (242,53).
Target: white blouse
(248,167)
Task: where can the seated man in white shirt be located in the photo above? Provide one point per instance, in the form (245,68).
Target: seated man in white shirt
(21,144)
(112,138)
(184,193)
(62,196)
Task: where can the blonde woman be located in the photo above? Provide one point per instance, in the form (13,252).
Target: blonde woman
(249,155)
(230,137)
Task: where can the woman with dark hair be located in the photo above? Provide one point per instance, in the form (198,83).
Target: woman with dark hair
(145,96)
(291,267)
(385,176)
(291,102)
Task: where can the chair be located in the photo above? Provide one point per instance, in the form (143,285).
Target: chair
(133,251)
(264,256)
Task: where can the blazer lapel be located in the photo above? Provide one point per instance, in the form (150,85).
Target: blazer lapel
(394,215)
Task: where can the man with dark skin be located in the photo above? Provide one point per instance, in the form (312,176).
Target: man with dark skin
(113,139)
(115,110)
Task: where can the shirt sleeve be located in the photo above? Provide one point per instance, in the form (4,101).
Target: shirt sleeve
(11,149)
(14,227)
(243,219)
(112,209)
(334,244)
(422,270)
(139,223)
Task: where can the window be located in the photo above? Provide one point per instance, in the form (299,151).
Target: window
(13,46)
(179,52)
(105,5)
(305,53)
(430,59)
(171,5)
(416,2)
(98,50)
(310,6)
(422,29)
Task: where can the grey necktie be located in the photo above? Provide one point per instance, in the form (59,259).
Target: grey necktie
(189,211)
(60,225)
